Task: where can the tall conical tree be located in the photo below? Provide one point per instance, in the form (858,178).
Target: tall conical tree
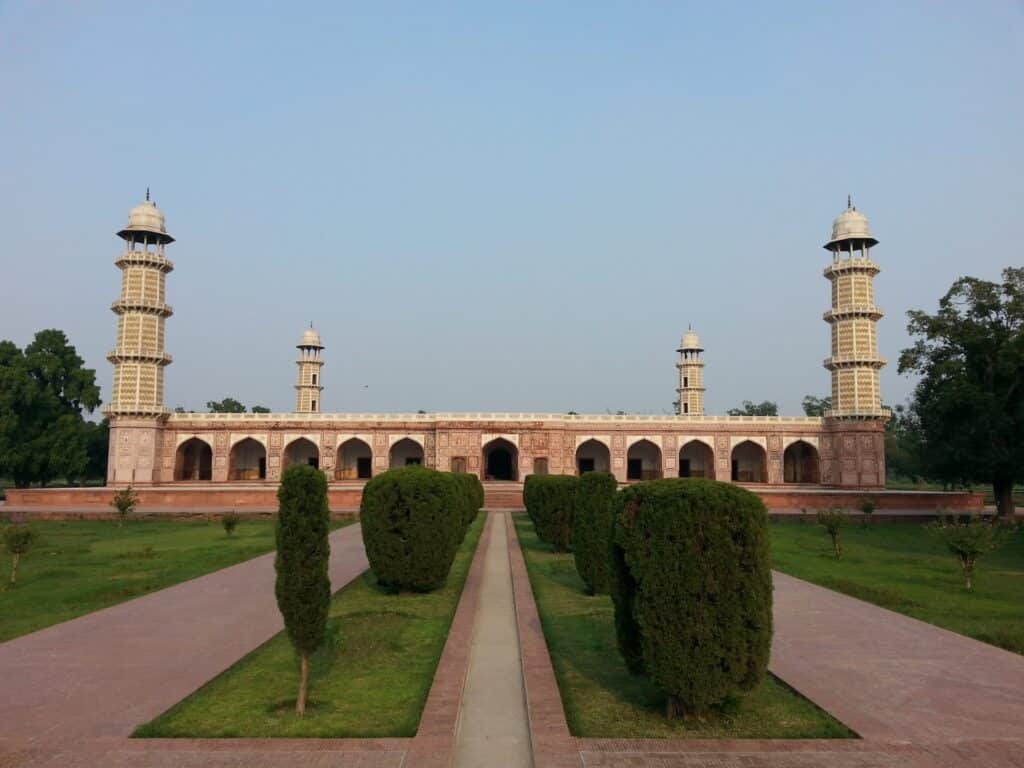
(303,587)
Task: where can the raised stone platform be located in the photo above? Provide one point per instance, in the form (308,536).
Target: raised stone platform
(187,499)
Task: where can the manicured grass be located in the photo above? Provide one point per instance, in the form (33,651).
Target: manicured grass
(602,699)
(370,680)
(77,567)
(897,566)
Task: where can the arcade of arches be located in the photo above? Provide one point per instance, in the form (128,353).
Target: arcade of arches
(800,463)
(696,459)
(355,460)
(593,456)
(643,461)
(749,463)
(194,460)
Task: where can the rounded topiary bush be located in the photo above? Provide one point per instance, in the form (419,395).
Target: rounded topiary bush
(549,502)
(692,588)
(472,494)
(592,529)
(412,524)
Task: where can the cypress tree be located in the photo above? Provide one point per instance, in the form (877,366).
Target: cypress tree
(303,587)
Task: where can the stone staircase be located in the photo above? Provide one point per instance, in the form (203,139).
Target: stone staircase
(503,495)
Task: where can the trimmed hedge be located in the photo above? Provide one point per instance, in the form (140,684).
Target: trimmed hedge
(692,588)
(592,529)
(412,523)
(472,491)
(549,502)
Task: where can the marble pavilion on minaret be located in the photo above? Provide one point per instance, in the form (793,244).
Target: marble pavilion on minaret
(854,363)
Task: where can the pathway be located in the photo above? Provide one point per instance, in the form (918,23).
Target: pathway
(493,727)
(103,674)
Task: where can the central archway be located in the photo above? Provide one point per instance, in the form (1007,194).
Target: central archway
(593,456)
(501,459)
(405,453)
(247,461)
(194,460)
(643,461)
(301,451)
(800,463)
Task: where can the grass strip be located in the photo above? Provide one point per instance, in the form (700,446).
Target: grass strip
(370,680)
(602,700)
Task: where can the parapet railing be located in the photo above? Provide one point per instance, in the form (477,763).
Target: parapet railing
(568,418)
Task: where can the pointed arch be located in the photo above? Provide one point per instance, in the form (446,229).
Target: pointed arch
(800,463)
(643,461)
(500,460)
(193,461)
(301,450)
(749,463)
(247,460)
(697,459)
(404,453)
(354,461)
(593,455)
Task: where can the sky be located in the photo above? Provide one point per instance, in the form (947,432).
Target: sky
(503,207)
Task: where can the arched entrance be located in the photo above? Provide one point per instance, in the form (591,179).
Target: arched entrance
(406,452)
(500,460)
(194,460)
(800,463)
(247,461)
(301,451)
(749,463)
(593,456)
(355,460)
(643,461)
(696,459)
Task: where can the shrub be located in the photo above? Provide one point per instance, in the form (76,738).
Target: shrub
(833,520)
(592,529)
(472,493)
(18,540)
(412,524)
(230,522)
(124,503)
(303,586)
(549,502)
(867,508)
(969,539)
(692,588)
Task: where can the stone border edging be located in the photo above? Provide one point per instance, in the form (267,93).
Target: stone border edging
(433,746)
(553,745)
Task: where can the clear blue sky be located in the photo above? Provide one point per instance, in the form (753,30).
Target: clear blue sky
(492,206)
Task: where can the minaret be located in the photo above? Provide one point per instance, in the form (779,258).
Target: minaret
(691,375)
(855,364)
(307,391)
(138,356)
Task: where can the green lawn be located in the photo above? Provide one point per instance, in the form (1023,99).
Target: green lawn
(897,566)
(370,680)
(76,567)
(603,700)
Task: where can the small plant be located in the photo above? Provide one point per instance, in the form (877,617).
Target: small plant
(124,502)
(18,540)
(867,508)
(833,520)
(230,522)
(803,517)
(969,538)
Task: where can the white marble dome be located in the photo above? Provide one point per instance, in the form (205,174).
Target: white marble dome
(147,218)
(851,224)
(310,338)
(690,340)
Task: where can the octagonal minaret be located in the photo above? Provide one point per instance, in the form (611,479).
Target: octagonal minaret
(855,364)
(307,391)
(691,375)
(139,356)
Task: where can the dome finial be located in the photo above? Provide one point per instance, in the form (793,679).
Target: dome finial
(849,202)
(147,194)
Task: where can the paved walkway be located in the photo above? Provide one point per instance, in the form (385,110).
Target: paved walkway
(493,727)
(103,674)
